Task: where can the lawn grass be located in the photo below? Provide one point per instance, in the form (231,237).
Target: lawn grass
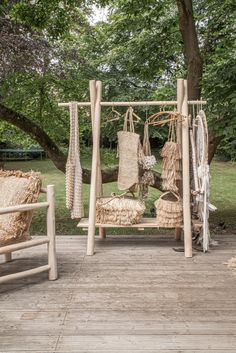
(223,194)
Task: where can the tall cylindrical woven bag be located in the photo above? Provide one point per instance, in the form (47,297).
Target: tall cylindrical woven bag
(74,193)
(171,165)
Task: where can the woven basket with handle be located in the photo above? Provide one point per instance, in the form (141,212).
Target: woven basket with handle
(169,210)
(119,210)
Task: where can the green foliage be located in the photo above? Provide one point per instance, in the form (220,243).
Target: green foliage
(137,53)
(54,16)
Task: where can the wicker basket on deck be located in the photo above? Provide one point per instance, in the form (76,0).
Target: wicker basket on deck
(119,210)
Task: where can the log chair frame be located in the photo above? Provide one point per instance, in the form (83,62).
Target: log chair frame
(50,240)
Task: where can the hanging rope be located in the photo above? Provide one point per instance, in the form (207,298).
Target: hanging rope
(199,140)
(74,194)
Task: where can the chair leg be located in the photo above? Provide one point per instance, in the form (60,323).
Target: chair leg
(51,233)
(8,257)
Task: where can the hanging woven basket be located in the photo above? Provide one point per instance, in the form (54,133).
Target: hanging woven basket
(119,210)
(169,210)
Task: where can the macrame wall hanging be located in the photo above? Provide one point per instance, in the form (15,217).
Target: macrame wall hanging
(171,163)
(129,154)
(74,193)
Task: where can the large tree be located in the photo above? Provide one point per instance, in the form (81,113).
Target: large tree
(49,51)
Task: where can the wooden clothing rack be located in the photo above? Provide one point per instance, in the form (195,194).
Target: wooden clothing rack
(95,105)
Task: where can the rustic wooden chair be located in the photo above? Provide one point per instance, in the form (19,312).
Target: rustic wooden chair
(7,250)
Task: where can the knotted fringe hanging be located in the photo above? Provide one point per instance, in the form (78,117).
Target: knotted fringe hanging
(128,151)
(74,194)
(171,166)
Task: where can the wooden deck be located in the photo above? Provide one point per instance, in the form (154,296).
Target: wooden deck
(134,295)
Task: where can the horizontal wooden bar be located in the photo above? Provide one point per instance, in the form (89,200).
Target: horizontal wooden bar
(43,190)
(23,274)
(81,104)
(145,223)
(133,104)
(23,208)
(23,245)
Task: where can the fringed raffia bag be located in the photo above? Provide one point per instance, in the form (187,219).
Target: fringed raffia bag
(121,210)
(129,155)
(169,210)
(171,164)
(74,193)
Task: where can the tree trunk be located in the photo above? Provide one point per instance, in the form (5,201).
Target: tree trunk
(193,61)
(191,47)
(53,151)
(214,142)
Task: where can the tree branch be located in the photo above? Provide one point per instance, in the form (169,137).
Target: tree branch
(37,133)
(53,151)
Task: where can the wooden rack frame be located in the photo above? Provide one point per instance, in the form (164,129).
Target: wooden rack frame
(7,250)
(95,105)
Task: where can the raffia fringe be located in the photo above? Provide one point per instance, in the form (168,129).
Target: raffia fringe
(169,212)
(171,148)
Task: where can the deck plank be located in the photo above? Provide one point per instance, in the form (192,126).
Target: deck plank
(134,295)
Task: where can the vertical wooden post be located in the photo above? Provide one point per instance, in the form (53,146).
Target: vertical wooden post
(93,185)
(180,96)
(99,191)
(51,233)
(186,175)
(8,256)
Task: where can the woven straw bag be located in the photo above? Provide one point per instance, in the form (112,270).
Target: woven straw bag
(120,210)
(171,165)
(169,210)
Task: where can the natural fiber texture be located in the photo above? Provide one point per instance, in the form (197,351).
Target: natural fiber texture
(171,166)
(148,178)
(17,188)
(74,193)
(148,160)
(129,155)
(119,210)
(169,210)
